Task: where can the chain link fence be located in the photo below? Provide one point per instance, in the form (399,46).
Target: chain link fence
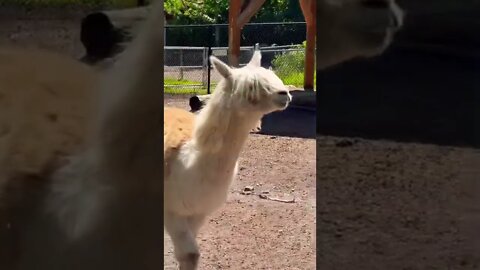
(189,46)
(216,35)
(188,71)
(185,70)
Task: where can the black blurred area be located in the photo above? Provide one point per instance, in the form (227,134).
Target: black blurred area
(100,38)
(424,88)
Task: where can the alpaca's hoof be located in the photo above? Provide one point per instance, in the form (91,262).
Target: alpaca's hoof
(189,261)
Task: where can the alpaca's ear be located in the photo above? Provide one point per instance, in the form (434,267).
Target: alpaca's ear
(256,59)
(221,67)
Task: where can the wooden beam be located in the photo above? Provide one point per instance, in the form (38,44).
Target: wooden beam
(234,32)
(237,18)
(251,9)
(309,8)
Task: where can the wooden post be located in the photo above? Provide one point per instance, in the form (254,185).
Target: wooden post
(234,33)
(309,8)
(237,18)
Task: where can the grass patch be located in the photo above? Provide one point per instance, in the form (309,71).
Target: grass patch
(181,87)
(296,79)
(185,87)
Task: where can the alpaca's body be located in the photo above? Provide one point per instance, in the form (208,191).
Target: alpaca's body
(185,173)
(199,180)
(202,150)
(198,184)
(45,108)
(176,131)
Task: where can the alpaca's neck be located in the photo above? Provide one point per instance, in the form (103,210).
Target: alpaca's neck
(221,133)
(235,136)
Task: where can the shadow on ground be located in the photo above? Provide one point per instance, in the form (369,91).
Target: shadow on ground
(298,120)
(425,88)
(409,94)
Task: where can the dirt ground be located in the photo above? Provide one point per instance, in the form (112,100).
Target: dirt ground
(387,205)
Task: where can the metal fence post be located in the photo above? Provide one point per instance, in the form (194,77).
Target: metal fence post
(205,67)
(181,64)
(209,52)
(217,35)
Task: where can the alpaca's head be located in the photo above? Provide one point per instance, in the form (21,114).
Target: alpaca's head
(355,28)
(250,89)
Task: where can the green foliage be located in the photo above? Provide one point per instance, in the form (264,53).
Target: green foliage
(197,11)
(216,11)
(289,66)
(192,10)
(188,87)
(290,62)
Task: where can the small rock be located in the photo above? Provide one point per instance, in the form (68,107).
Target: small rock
(344,143)
(249,188)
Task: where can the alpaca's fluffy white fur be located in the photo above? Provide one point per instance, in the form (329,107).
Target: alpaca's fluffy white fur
(127,129)
(203,167)
(97,209)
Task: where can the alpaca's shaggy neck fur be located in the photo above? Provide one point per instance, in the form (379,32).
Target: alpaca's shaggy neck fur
(219,128)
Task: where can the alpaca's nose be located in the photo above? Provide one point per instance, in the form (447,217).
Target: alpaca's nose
(287,94)
(396,23)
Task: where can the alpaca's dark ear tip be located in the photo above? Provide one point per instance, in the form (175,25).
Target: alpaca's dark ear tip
(99,36)
(195,104)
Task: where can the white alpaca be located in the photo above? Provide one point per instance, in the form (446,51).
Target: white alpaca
(201,152)
(99,209)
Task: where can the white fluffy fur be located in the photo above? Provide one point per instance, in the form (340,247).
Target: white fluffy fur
(205,166)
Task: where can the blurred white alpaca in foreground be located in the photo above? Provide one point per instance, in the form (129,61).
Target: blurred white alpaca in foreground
(99,208)
(202,151)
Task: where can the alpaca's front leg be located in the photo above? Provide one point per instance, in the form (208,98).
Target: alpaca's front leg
(184,243)
(196,222)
